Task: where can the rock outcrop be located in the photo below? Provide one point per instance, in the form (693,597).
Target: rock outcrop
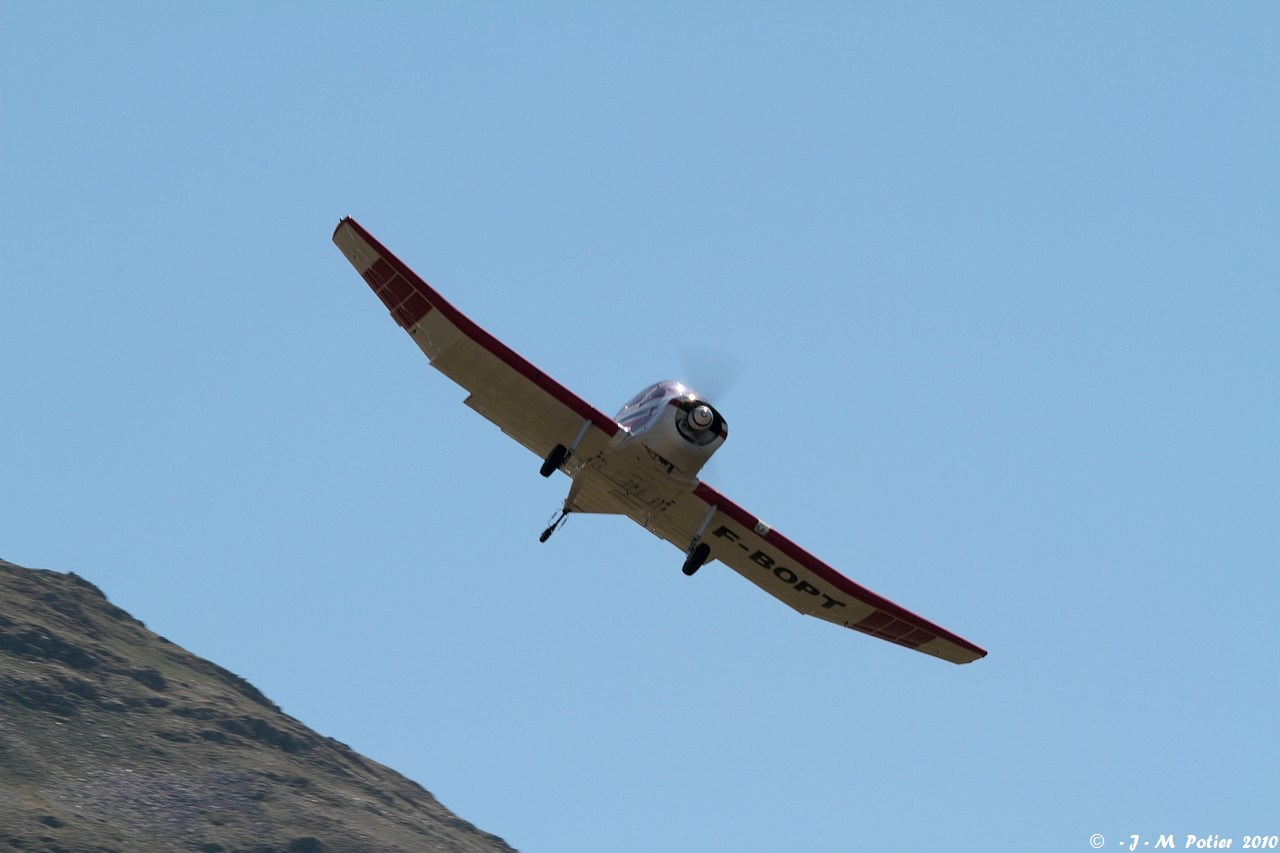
(114,739)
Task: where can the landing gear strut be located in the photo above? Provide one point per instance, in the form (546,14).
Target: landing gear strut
(698,551)
(557,521)
(560,454)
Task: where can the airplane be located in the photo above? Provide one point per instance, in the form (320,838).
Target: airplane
(642,463)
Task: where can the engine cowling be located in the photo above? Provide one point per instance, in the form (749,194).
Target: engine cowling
(679,429)
(698,422)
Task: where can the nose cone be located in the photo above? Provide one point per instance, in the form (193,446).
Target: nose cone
(702,417)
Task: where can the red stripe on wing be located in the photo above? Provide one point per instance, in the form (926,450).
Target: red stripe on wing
(890,621)
(409,299)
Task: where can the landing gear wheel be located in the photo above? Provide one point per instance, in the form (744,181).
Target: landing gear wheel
(554,460)
(696,558)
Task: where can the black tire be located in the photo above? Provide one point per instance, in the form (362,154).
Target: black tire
(695,560)
(554,460)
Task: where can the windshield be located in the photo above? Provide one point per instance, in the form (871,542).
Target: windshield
(654,393)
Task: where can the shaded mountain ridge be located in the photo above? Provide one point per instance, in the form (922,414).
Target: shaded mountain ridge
(114,739)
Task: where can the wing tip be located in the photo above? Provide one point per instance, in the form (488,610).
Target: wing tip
(966,654)
(346,220)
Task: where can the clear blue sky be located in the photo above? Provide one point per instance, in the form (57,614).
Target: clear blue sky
(1004,282)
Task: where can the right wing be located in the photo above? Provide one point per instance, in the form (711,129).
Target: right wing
(524,402)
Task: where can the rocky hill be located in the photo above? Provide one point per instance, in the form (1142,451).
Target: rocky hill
(114,739)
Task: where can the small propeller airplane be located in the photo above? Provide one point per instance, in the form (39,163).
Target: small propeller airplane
(643,463)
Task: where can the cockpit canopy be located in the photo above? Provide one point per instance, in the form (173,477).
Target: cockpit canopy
(654,393)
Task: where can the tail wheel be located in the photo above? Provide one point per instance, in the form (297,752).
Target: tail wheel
(696,558)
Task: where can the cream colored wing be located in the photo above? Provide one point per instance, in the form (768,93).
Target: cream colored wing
(791,574)
(524,402)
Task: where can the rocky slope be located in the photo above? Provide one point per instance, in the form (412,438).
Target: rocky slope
(114,739)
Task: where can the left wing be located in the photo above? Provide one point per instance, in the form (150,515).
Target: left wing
(791,574)
(528,405)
